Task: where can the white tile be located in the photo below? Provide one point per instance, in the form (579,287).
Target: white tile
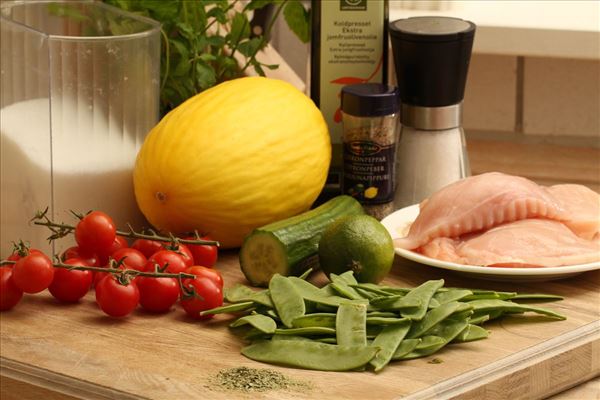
(491,93)
(561,97)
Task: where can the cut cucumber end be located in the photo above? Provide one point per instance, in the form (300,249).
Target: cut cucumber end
(262,257)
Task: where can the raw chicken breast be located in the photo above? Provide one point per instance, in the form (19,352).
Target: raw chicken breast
(582,206)
(478,203)
(443,249)
(529,242)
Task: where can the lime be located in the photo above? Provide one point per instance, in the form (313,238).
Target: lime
(357,243)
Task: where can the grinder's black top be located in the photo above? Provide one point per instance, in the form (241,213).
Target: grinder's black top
(432,57)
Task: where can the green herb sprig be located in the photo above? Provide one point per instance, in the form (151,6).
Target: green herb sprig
(201,39)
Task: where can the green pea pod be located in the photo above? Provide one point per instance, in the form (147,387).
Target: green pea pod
(479,319)
(308,331)
(230,308)
(405,347)
(447,330)
(482,306)
(451,295)
(396,302)
(330,340)
(310,355)
(433,303)
(383,314)
(388,341)
(326,320)
(422,294)
(260,322)
(385,320)
(277,337)
(288,302)
(312,293)
(536,297)
(273,314)
(346,291)
(471,333)
(372,288)
(432,318)
(306,273)
(350,324)
(240,293)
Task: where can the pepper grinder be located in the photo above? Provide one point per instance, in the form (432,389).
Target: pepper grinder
(431,56)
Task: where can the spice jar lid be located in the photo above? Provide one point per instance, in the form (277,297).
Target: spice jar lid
(370,99)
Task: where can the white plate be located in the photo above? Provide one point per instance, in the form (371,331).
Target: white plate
(399,222)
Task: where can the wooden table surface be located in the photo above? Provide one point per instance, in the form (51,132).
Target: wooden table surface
(49,350)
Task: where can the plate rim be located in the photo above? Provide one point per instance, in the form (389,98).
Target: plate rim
(475,269)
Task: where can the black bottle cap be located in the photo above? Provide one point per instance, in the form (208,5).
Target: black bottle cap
(370,99)
(432,57)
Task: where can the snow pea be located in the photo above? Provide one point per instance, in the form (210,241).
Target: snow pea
(385,320)
(451,295)
(405,347)
(388,341)
(260,322)
(422,294)
(289,337)
(306,273)
(384,314)
(230,308)
(310,355)
(288,302)
(470,333)
(447,330)
(481,306)
(536,297)
(326,320)
(396,302)
(479,319)
(350,324)
(240,293)
(314,294)
(432,318)
(307,331)
(371,287)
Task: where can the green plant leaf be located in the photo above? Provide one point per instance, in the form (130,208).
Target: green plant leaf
(258,4)
(205,75)
(240,28)
(298,19)
(250,47)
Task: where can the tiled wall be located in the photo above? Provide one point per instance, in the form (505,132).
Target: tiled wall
(529,97)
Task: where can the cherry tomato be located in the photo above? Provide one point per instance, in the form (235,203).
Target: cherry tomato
(203,254)
(147,247)
(210,296)
(71,285)
(33,273)
(158,294)
(90,259)
(10,294)
(176,262)
(16,256)
(185,252)
(132,258)
(206,272)
(115,299)
(119,243)
(95,232)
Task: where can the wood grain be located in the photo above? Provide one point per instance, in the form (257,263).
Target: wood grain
(77,351)
(546,164)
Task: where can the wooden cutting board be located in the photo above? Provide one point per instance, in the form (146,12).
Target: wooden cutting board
(50,350)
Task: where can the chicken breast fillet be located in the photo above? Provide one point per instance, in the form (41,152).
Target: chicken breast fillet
(524,243)
(479,203)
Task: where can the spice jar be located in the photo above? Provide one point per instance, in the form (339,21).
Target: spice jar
(370,132)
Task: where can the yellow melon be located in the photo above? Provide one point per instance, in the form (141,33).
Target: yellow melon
(240,155)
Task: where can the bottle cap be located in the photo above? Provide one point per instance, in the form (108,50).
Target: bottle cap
(432,56)
(370,99)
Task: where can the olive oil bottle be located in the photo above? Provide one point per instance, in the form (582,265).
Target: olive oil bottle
(349,45)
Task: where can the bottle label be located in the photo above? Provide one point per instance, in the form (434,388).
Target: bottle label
(369,171)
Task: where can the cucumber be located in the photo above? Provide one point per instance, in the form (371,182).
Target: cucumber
(289,247)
